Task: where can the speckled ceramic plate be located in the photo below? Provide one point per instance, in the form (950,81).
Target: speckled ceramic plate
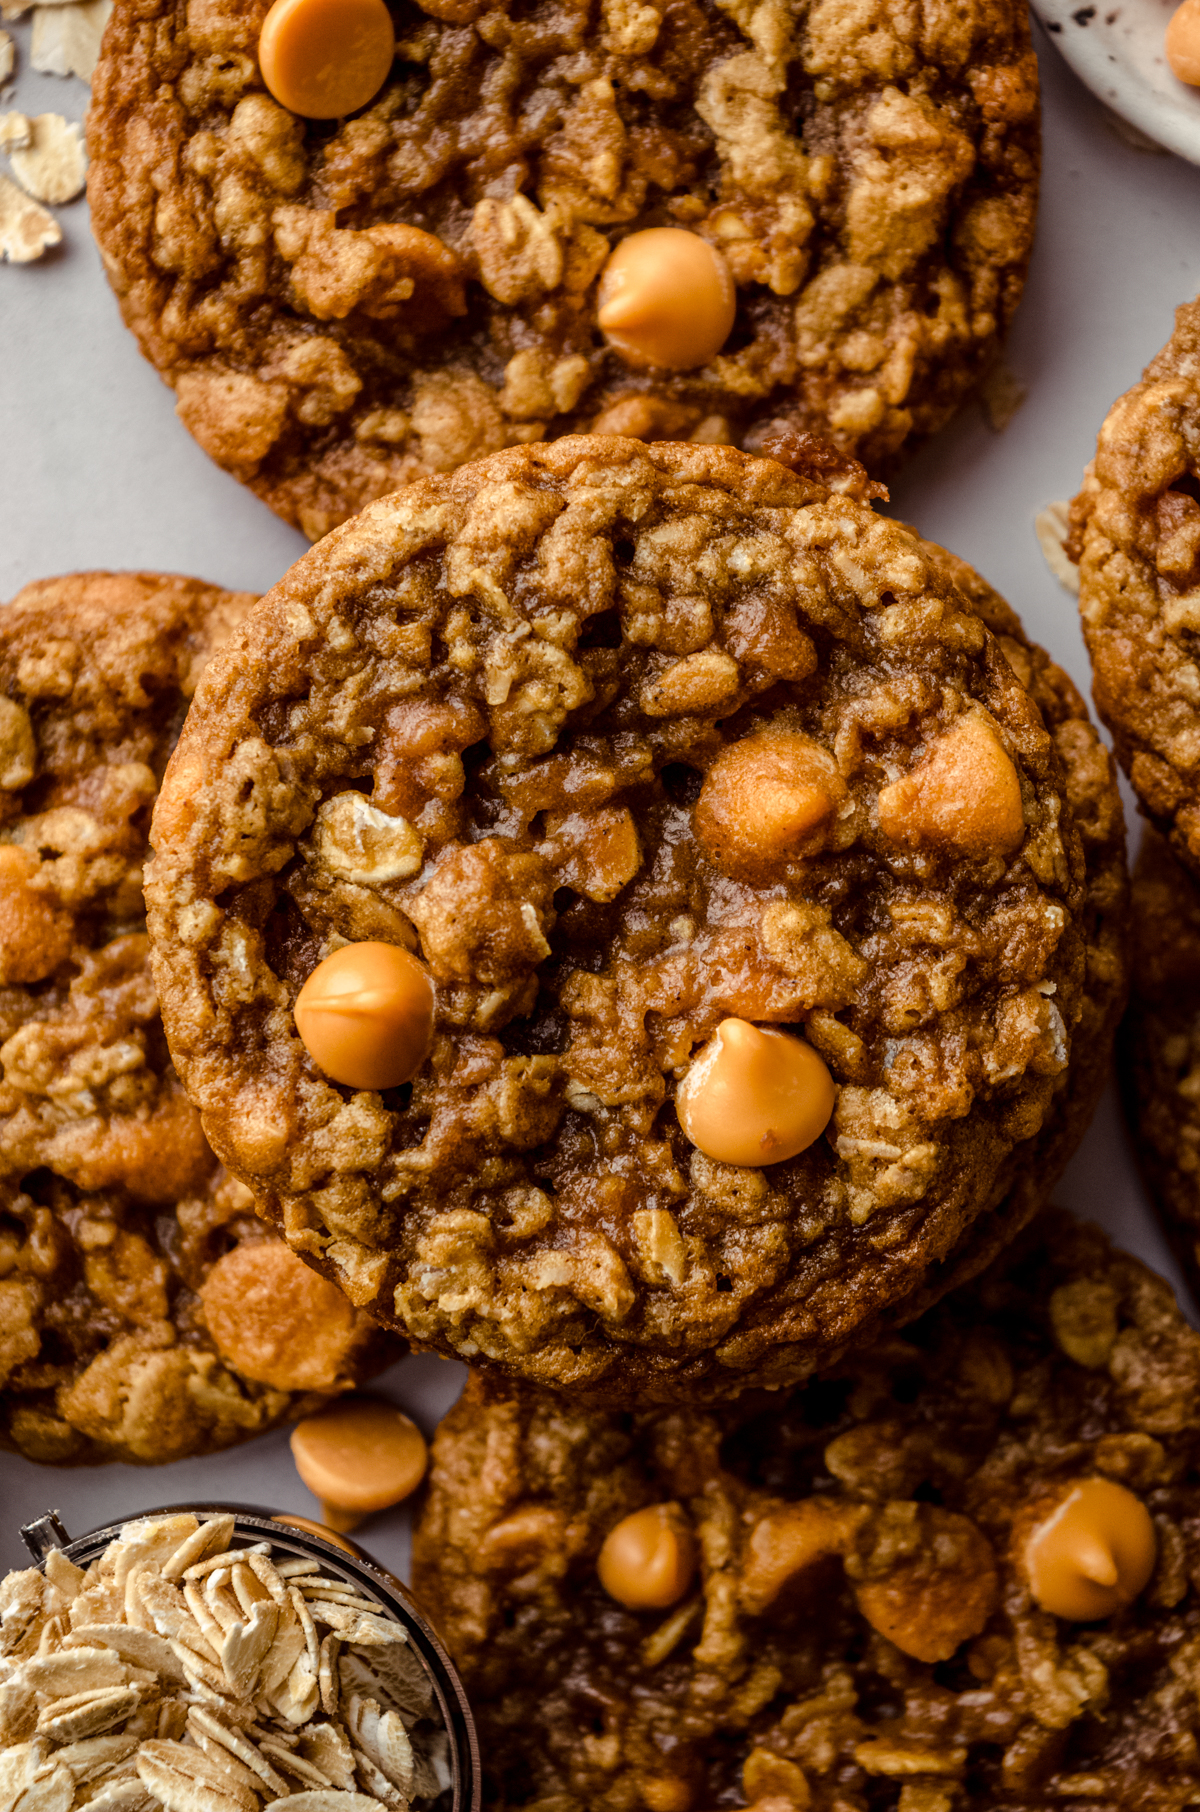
(1117,50)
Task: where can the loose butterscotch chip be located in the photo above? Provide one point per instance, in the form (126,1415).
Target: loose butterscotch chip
(966,793)
(755,1096)
(1091,1550)
(666,299)
(648,1560)
(366,1015)
(324,59)
(358,1456)
(275,1320)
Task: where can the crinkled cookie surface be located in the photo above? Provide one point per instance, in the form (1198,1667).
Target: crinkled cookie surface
(343,307)
(887,1492)
(1136,537)
(1160,1043)
(113,1209)
(476,721)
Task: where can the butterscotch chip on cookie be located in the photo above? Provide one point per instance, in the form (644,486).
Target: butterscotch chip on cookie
(485,722)
(1135,533)
(344,305)
(894,1600)
(115,1217)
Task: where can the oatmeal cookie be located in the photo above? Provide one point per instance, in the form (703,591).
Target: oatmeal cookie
(116,1223)
(1135,534)
(861,1631)
(1160,1044)
(483,722)
(344,306)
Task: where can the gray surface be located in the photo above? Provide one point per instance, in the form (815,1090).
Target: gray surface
(95,471)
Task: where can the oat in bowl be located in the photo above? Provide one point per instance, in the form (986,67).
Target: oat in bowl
(223,1661)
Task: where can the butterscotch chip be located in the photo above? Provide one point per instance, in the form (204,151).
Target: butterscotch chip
(648,1559)
(1088,1549)
(541,666)
(113,1209)
(1135,535)
(666,300)
(325,59)
(754,1097)
(343,307)
(860,1620)
(278,1322)
(358,1456)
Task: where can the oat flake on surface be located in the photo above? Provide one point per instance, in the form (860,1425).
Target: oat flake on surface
(66,38)
(26,229)
(53,167)
(6,57)
(1050,526)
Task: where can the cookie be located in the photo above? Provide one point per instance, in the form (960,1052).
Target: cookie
(344,305)
(502,720)
(121,1239)
(1135,534)
(1160,1043)
(858,1602)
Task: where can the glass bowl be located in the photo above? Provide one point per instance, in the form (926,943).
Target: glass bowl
(393,1598)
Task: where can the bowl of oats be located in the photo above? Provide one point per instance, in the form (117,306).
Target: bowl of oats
(214,1659)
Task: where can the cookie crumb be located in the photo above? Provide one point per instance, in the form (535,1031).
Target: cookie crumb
(25,228)
(1000,396)
(7,57)
(66,38)
(53,165)
(1051,527)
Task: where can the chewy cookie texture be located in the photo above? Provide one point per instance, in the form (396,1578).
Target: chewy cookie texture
(1160,1043)
(342,306)
(144,1313)
(493,721)
(864,1628)
(1135,534)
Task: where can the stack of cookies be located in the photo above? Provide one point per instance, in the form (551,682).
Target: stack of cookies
(642,921)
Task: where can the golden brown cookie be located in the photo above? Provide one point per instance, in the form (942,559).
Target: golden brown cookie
(117,1226)
(494,721)
(866,1620)
(1160,1043)
(1135,533)
(344,305)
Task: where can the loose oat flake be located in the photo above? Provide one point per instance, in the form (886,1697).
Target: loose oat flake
(1050,526)
(183,1672)
(66,38)
(7,57)
(14,132)
(26,230)
(53,165)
